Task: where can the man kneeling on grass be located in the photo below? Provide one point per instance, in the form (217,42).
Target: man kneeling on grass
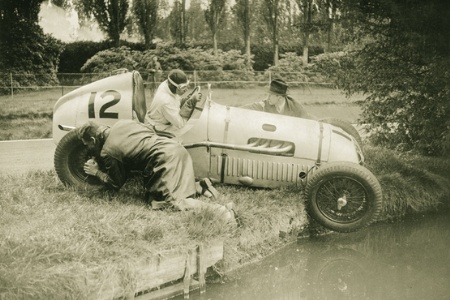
(166,165)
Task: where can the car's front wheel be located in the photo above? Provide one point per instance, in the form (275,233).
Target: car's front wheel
(69,159)
(343,196)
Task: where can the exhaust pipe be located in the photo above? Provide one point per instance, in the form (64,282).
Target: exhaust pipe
(66,127)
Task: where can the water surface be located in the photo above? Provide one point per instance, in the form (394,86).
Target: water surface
(404,260)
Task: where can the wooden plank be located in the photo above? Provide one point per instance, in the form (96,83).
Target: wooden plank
(168,292)
(166,269)
(153,272)
(187,275)
(201,267)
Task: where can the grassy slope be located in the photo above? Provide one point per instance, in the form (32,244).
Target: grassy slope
(52,237)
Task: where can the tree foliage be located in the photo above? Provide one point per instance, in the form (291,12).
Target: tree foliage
(402,62)
(178,22)
(111,15)
(243,15)
(146,15)
(215,16)
(24,48)
(271,12)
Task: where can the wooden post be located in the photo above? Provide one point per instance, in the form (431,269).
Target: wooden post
(12,86)
(187,275)
(201,268)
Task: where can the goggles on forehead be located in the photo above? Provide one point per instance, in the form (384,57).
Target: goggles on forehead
(181,86)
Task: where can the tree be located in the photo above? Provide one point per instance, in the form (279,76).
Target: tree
(178,22)
(401,60)
(111,15)
(146,14)
(271,14)
(215,16)
(242,12)
(23,46)
(309,8)
(196,25)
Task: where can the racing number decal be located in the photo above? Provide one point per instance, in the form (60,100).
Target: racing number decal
(103,114)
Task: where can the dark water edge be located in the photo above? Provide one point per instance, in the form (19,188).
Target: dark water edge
(408,259)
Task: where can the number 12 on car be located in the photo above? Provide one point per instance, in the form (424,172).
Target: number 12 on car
(103,113)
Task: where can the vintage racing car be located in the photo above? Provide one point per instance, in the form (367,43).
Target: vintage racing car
(232,145)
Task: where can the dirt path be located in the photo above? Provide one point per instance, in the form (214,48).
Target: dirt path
(19,157)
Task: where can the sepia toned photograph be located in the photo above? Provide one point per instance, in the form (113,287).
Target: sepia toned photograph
(224,149)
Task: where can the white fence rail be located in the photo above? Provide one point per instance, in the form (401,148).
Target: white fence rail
(14,82)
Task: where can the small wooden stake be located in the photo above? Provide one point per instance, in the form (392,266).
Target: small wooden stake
(187,275)
(201,268)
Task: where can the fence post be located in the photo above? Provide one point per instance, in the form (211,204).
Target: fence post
(195,77)
(12,87)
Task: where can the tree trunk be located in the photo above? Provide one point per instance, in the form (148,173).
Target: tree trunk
(275,54)
(248,52)
(183,22)
(215,43)
(330,35)
(307,19)
(305,55)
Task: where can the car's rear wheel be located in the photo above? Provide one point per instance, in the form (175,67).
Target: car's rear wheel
(69,159)
(343,196)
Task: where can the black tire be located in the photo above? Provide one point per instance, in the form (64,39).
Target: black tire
(69,159)
(346,126)
(348,182)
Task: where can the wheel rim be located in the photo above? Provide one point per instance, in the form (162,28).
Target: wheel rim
(78,156)
(342,199)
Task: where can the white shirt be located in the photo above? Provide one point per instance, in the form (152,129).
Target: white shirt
(164,111)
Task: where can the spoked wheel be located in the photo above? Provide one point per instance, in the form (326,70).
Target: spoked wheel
(344,196)
(69,159)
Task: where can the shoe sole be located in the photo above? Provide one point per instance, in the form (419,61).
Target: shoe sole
(206,185)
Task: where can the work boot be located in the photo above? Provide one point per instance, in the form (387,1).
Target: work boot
(204,187)
(161,205)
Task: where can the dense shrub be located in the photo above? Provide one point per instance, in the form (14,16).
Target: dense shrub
(208,66)
(76,54)
(30,55)
(334,67)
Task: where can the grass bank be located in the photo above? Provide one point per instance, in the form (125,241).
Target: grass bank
(52,237)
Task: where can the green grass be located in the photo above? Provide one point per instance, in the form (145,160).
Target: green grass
(52,237)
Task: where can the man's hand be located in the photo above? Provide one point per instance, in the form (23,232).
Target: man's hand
(91,167)
(197,97)
(188,106)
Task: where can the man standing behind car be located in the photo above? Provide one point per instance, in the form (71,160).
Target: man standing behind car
(155,70)
(167,112)
(166,166)
(278,101)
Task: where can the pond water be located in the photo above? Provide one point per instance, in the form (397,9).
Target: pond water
(405,260)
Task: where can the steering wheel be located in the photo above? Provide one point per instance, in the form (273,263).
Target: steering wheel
(194,92)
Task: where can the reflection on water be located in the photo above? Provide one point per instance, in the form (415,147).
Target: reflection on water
(406,260)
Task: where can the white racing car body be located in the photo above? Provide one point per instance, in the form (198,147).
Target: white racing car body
(233,145)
